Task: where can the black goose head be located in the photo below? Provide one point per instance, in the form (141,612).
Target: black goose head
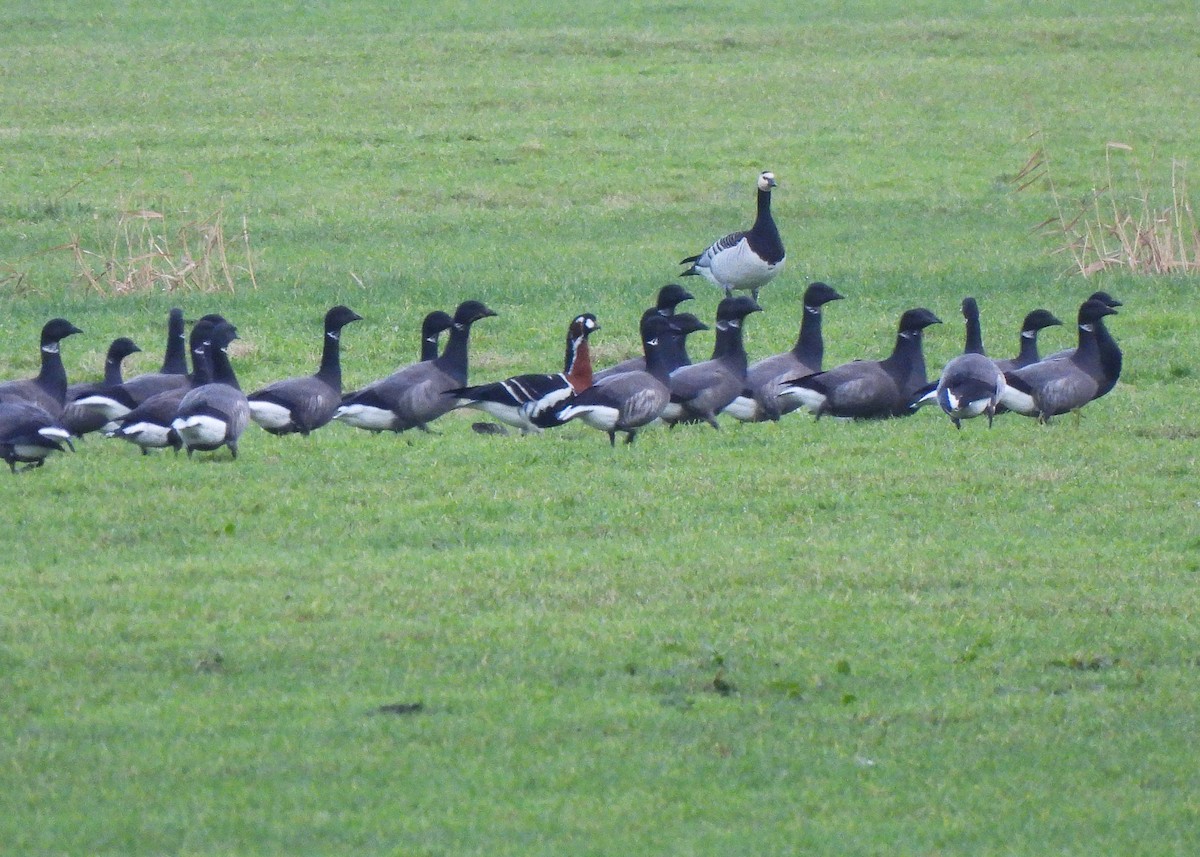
(732,310)
(56,330)
(469,312)
(121,348)
(766,181)
(1038,320)
(670,296)
(686,323)
(434,323)
(222,334)
(1092,310)
(970,309)
(913,321)
(1105,298)
(819,294)
(338,317)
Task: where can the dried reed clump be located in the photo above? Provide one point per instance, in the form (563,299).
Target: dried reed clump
(143,255)
(1117,227)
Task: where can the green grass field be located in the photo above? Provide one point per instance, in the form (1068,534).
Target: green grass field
(794,638)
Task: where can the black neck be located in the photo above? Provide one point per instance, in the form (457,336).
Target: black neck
(908,357)
(1029,348)
(730,343)
(112,371)
(974,344)
(331,361)
(672,351)
(454,356)
(53,376)
(175,359)
(222,369)
(810,346)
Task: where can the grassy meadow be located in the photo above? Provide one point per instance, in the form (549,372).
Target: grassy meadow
(795,638)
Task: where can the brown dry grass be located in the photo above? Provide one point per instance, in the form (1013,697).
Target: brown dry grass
(143,254)
(1120,224)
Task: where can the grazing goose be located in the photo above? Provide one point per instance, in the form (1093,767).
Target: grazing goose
(304,404)
(1110,352)
(1034,323)
(700,391)
(48,390)
(414,396)
(1052,387)
(868,389)
(149,424)
(528,401)
(760,400)
(173,372)
(79,419)
(28,434)
(744,261)
(628,401)
(971,383)
(214,414)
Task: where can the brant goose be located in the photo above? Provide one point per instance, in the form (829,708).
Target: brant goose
(28,434)
(970,384)
(48,390)
(700,391)
(1110,353)
(79,419)
(1055,386)
(173,372)
(744,261)
(304,404)
(214,414)
(528,402)
(414,396)
(1034,323)
(761,399)
(869,389)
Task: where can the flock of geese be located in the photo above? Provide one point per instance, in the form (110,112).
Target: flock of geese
(205,408)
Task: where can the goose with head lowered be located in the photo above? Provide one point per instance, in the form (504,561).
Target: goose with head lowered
(970,384)
(521,401)
(214,414)
(700,391)
(631,400)
(28,434)
(760,399)
(415,396)
(1110,352)
(1056,386)
(80,419)
(870,389)
(1034,323)
(748,260)
(48,389)
(302,405)
(148,426)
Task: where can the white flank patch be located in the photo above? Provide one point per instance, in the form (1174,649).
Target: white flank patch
(145,434)
(1017,401)
(102,405)
(365,417)
(603,417)
(510,414)
(270,415)
(672,413)
(742,408)
(808,398)
(54,433)
(200,430)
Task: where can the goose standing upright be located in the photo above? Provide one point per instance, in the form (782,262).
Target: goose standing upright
(79,419)
(414,396)
(700,391)
(28,434)
(761,399)
(214,414)
(305,404)
(174,370)
(970,384)
(631,400)
(1051,387)
(744,261)
(869,389)
(148,425)
(48,390)
(523,400)
(1034,323)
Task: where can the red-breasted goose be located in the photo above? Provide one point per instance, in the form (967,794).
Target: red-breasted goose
(214,414)
(870,389)
(700,391)
(527,401)
(744,261)
(631,400)
(28,434)
(48,390)
(79,419)
(1055,386)
(305,404)
(760,400)
(1034,323)
(414,396)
